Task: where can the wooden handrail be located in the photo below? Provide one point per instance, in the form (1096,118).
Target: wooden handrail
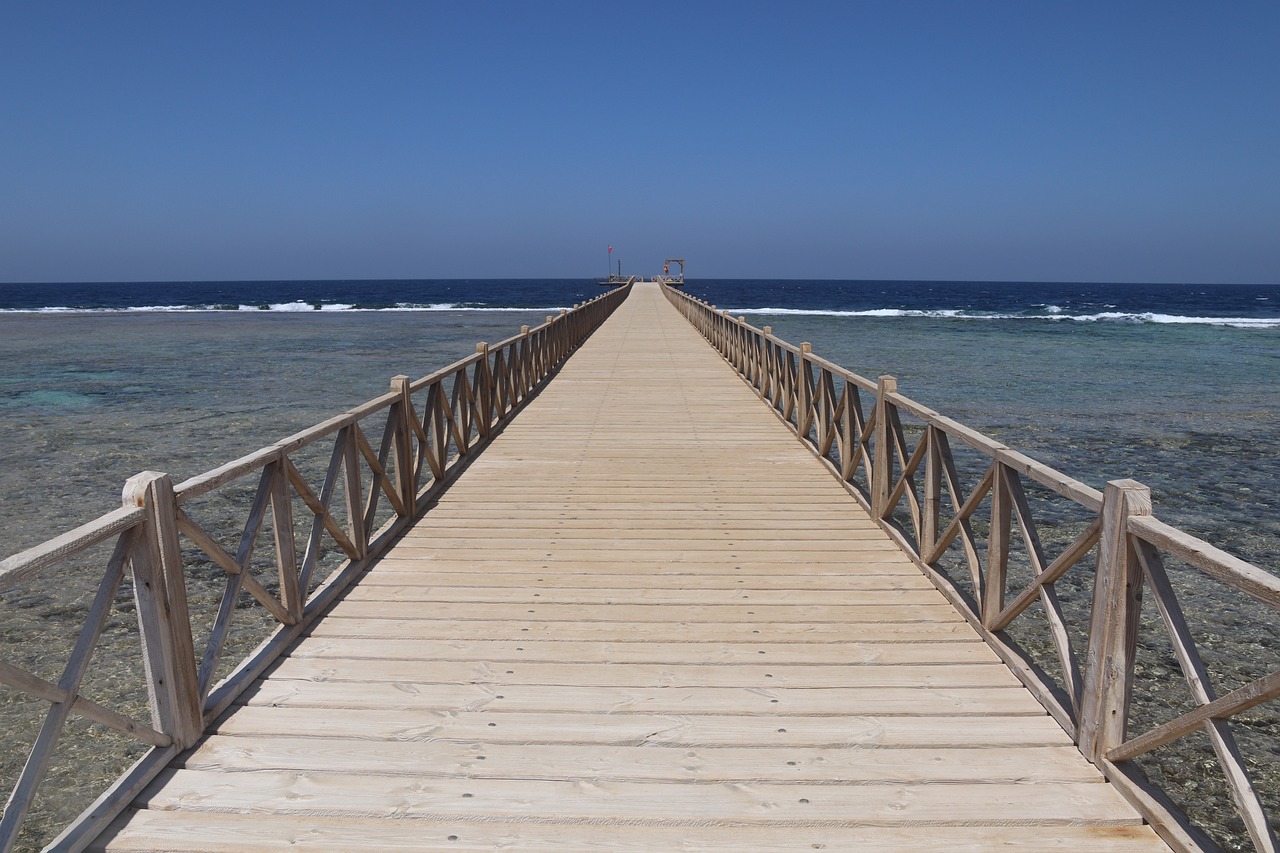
(426,436)
(26,564)
(822,403)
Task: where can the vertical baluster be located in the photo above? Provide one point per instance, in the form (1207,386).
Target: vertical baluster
(882,472)
(404,443)
(768,380)
(353,482)
(160,591)
(993,582)
(932,493)
(291,596)
(804,392)
(1113,629)
(483,391)
(526,363)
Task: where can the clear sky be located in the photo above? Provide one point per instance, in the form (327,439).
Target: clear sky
(1019,140)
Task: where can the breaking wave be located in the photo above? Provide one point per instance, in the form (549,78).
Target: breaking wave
(1050,313)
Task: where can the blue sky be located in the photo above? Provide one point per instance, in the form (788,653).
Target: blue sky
(1072,141)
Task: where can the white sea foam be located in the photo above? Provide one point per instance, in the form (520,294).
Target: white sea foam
(1053,313)
(284,308)
(450,306)
(71,309)
(869,312)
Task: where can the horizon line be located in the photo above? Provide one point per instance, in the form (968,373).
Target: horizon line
(596,278)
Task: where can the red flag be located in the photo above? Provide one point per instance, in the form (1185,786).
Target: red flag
(610,248)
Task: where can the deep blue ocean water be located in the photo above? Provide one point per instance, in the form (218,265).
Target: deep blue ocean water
(1255,306)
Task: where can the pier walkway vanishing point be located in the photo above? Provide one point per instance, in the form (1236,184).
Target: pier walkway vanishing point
(644,618)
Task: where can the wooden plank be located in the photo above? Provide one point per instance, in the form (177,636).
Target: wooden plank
(688,514)
(344,795)
(911,701)
(554,595)
(833,613)
(819,535)
(615,549)
(220,833)
(337,624)
(838,654)
(991,730)
(712,564)
(384,575)
(479,760)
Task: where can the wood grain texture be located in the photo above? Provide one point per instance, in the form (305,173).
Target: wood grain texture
(644,618)
(178,832)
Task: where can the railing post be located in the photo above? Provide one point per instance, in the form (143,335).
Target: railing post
(484,389)
(546,344)
(804,392)
(767,360)
(1113,630)
(932,493)
(740,349)
(160,592)
(993,582)
(882,474)
(526,363)
(404,444)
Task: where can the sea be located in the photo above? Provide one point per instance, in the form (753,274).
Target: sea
(1174,385)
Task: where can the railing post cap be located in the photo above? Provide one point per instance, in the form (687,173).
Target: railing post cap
(135,488)
(768,330)
(888,383)
(524,330)
(741,319)
(1135,496)
(806,347)
(1127,485)
(564,311)
(482,347)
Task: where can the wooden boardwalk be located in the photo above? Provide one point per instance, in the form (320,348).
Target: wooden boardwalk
(645,618)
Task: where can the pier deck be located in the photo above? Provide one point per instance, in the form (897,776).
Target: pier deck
(644,618)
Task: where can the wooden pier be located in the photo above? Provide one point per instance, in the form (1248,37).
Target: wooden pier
(644,617)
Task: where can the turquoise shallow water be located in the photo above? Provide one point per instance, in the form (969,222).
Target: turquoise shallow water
(88,400)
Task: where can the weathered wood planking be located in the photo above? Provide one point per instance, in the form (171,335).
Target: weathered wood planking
(645,618)
(223,833)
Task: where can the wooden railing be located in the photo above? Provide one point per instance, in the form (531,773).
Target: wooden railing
(908,478)
(404,447)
